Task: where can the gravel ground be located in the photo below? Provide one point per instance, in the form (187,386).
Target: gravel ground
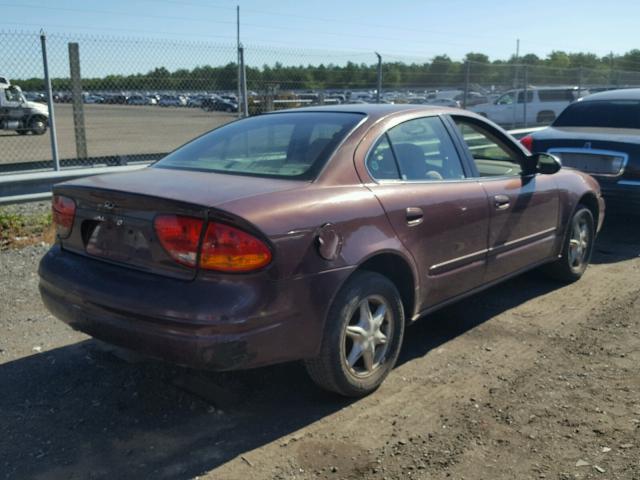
(528,380)
(136,130)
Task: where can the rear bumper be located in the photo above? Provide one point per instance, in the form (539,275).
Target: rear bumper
(227,323)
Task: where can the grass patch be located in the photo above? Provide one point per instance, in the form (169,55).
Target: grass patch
(18,229)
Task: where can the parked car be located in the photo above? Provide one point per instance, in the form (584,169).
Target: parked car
(139,100)
(173,101)
(473,98)
(218,104)
(313,234)
(444,102)
(35,97)
(195,101)
(116,99)
(600,135)
(92,98)
(542,107)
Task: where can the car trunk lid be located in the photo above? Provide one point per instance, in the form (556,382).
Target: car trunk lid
(597,151)
(115,213)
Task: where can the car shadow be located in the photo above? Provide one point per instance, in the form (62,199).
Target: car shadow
(619,239)
(79,411)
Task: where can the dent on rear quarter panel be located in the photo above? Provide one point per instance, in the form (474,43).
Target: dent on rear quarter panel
(292,219)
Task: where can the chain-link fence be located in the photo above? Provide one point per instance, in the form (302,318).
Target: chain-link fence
(122,100)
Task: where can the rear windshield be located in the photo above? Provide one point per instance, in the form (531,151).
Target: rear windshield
(285,145)
(601,113)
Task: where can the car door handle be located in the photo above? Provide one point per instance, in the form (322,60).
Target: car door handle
(414,216)
(501,202)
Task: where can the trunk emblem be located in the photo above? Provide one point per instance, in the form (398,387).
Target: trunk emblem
(108,205)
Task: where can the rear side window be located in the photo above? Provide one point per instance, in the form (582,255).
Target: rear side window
(424,150)
(380,161)
(282,145)
(556,95)
(601,113)
(529,96)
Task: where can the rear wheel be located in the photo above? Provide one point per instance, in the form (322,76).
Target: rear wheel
(577,248)
(362,337)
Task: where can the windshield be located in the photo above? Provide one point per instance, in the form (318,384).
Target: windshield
(285,145)
(601,113)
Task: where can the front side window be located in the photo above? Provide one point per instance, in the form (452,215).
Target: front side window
(506,99)
(492,157)
(285,145)
(424,150)
(529,97)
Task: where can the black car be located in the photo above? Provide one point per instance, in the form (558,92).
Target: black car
(600,135)
(219,105)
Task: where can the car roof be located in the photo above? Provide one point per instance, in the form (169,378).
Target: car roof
(619,94)
(376,110)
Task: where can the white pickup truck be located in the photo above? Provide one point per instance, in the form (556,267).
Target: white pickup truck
(16,113)
(543,105)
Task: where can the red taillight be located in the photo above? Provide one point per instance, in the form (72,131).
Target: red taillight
(527,142)
(224,248)
(228,249)
(180,237)
(63,211)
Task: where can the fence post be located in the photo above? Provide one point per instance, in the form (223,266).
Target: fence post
(467,76)
(243,76)
(52,118)
(238,59)
(76,97)
(514,120)
(526,95)
(379,83)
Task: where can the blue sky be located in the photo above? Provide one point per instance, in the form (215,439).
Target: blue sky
(399,29)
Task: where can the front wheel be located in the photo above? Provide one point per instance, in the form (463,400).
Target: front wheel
(362,336)
(38,125)
(577,248)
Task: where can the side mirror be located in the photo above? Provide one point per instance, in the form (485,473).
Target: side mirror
(546,164)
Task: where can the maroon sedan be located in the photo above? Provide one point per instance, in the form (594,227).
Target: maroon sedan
(315,234)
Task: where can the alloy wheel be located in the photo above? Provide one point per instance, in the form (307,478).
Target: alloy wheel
(579,243)
(368,336)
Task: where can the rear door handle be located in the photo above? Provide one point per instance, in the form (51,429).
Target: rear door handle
(501,202)
(414,216)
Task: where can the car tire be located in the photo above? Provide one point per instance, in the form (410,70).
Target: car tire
(22,132)
(38,125)
(362,337)
(577,248)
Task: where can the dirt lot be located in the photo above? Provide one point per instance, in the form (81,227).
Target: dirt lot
(528,380)
(114,130)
